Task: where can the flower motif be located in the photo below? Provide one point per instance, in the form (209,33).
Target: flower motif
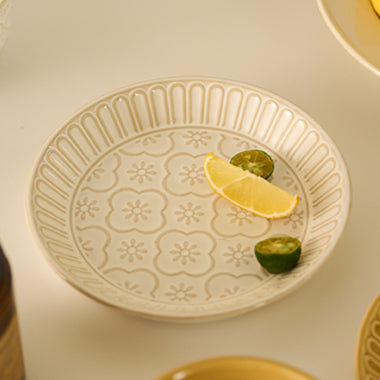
(289,180)
(243,145)
(142,172)
(96,173)
(180,293)
(132,287)
(238,255)
(132,250)
(192,174)
(86,208)
(228,292)
(136,211)
(185,252)
(86,245)
(130,210)
(188,213)
(230,220)
(197,138)
(240,216)
(150,140)
(295,219)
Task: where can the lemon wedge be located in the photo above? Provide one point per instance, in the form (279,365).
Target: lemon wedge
(247,190)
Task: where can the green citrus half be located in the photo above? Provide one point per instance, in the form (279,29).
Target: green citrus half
(278,254)
(256,161)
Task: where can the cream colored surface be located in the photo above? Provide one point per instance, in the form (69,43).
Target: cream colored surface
(62,55)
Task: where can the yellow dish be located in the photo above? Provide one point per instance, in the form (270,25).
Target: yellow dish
(376,6)
(235,368)
(356,26)
(368,343)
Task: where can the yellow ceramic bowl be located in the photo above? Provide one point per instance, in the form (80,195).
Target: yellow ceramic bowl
(367,354)
(356,26)
(376,6)
(235,368)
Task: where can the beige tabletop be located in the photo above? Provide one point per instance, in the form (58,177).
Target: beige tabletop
(62,54)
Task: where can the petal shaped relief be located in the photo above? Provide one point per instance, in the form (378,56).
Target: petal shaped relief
(197,138)
(225,285)
(132,210)
(188,253)
(86,208)
(230,220)
(189,213)
(152,144)
(185,175)
(141,282)
(93,242)
(239,255)
(141,172)
(103,176)
(230,145)
(131,250)
(181,292)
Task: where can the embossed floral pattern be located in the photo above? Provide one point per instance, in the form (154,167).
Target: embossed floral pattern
(240,216)
(86,245)
(192,174)
(184,252)
(181,292)
(142,172)
(148,140)
(197,138)
(233,221)
(96,173)
(135,288)
(185,176)
(130,210)
(132,250)
(289,180)
(137,211)
(242,144)
(228,292)
(238,255)
(85,208)
(295,219)
(188,253)
(189,213)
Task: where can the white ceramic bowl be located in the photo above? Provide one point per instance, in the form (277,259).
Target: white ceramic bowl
(120,205)
(356,26)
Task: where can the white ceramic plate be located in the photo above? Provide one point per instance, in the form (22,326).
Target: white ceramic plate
(356,26)
(237,368)
(119,203)
(368,344)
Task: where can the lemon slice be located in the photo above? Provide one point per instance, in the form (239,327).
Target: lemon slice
(278,254)
(246,190)
(376,6)
(256,161)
